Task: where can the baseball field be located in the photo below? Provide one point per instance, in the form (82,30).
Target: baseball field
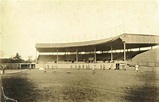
(72,85)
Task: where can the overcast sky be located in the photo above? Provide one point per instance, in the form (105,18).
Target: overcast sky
(25,22)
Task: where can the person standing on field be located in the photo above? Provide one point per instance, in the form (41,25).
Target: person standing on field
(93,70)
(137,67)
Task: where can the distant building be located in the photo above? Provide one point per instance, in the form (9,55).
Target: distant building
(10,65)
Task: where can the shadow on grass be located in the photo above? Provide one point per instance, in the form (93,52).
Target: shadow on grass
(79,91)
(146,92)
(17,86)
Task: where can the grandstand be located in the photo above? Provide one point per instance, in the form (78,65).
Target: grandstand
(120,48)
(85,57)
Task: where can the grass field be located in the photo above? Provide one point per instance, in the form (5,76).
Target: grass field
(82,86)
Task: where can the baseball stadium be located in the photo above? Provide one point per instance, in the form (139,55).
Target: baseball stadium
(122,49)
(90,71)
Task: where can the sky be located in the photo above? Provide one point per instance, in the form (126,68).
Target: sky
(27,22)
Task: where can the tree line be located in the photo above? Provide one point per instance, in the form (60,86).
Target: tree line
(18,59)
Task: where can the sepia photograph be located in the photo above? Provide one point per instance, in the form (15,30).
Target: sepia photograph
(79,50)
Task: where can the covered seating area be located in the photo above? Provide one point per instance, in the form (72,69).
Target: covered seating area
(122,47)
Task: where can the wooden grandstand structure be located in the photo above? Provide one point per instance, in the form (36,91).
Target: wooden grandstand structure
(109,49)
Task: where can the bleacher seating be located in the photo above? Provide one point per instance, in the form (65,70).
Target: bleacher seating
(46,58)
(85,57)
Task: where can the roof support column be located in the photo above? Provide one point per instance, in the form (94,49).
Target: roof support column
(151,47)
(76,55)
(20,66)
(124,51)
(111,54)
(95,57)
(36,56)
(57,57)
(65,56)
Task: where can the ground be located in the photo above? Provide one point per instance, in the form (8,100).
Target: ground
(82,86)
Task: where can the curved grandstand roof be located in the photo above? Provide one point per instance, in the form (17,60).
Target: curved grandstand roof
(131,40)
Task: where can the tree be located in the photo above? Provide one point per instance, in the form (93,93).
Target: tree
(29,59)
(17,59)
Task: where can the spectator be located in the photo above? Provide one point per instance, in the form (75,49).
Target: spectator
(3,69)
